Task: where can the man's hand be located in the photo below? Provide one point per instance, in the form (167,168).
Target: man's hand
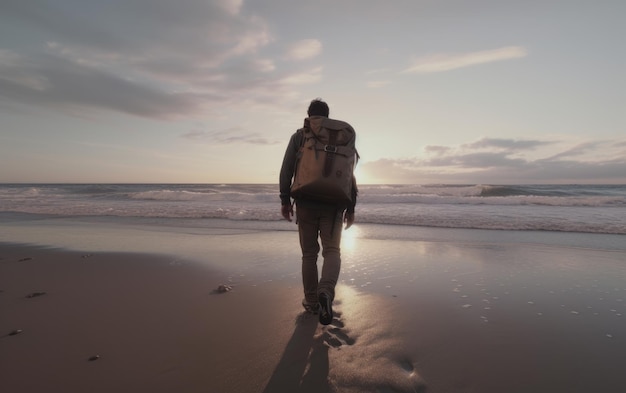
(348,218)
(287,211)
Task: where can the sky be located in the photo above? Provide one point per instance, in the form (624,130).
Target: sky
(210,91)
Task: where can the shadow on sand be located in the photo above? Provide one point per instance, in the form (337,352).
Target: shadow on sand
(303,367)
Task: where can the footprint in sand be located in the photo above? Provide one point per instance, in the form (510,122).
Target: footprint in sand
(407,366)
(341,336)
(35,294)
(332,341)
(337,322)
(335,336)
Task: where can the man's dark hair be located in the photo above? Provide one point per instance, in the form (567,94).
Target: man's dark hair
(318,108)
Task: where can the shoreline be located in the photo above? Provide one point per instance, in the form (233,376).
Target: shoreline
(190,238)
(437,316)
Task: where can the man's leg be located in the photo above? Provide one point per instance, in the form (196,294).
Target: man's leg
(330,234)
(308,229)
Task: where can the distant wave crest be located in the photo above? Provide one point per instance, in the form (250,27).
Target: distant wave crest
(577,208)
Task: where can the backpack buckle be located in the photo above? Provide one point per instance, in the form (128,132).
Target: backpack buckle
(330,149)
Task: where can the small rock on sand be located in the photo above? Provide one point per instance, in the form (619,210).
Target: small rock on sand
(223,289)
(35,294)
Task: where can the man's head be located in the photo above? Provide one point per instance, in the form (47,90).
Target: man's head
(318,108)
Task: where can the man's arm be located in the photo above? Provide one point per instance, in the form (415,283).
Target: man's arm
(286,175)
(348,218)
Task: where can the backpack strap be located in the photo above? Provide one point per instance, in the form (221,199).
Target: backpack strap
(330,150)
(299,133)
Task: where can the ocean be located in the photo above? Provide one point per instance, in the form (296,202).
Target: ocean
(560,208)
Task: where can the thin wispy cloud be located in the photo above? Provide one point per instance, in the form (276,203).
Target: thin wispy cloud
(438,150)
(303,78)
(232,135)
(507,144)
(379,71)
(231,6)
(377,84)
(577,150)
(446,62)
(304,50)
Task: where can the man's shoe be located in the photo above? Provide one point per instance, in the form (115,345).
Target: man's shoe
(313,308)
(326,309)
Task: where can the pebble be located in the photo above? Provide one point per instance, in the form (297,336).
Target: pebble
(223,288)
(15,332)
(35,294)
(95,357)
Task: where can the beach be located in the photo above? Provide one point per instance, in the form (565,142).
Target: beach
(102,306)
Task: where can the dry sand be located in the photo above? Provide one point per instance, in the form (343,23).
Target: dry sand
(410,317)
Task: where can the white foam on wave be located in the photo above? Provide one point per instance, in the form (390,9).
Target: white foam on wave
(421,190)
(15,193)
(433,199)
(561,209)
(419,195)
(168,195)
(184,195)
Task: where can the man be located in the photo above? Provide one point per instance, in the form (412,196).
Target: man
(315,219)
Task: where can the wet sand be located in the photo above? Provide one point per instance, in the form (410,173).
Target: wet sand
(410,316)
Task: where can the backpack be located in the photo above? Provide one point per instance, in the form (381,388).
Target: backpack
(325,162)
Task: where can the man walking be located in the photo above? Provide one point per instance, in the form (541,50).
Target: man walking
(318,218)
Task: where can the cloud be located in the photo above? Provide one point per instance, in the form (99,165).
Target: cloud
(485,152)
(474,160)
(62,83)
(577,150)
(149,58)
(304,50)
(446,62)
(232,135)
(377,84)
(303,78)
(507,144)
(502,161)
(231,6)
(439,150)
